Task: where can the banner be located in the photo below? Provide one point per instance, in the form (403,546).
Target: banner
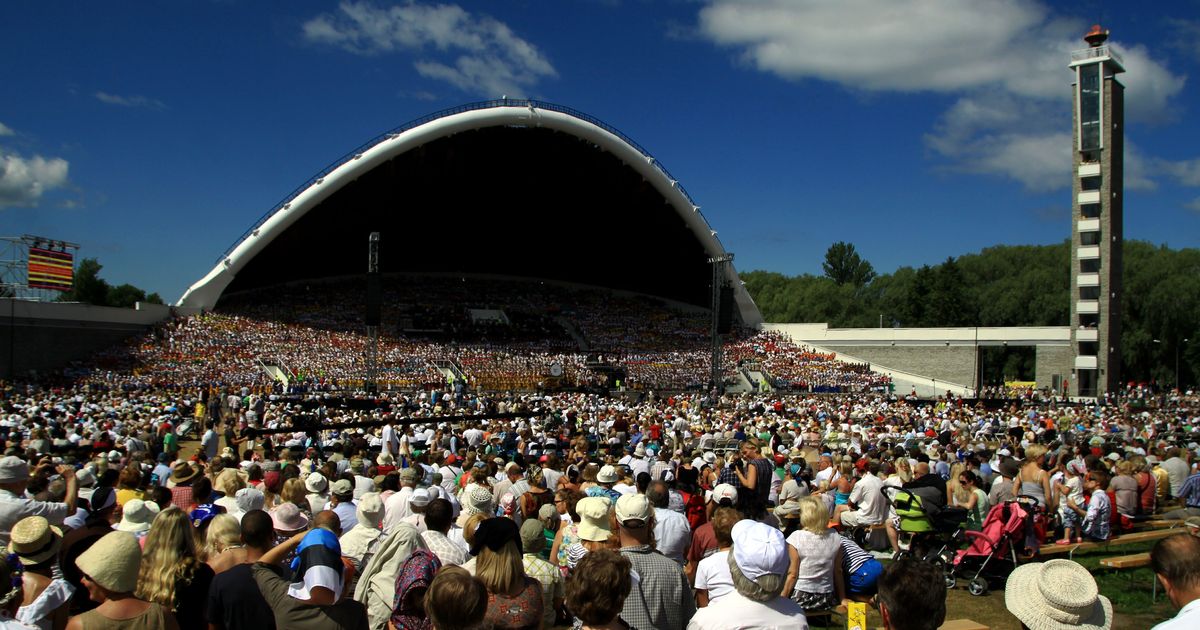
(50,269)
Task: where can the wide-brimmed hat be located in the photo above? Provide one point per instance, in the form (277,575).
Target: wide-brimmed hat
(479,500)
(289,518)
(183,472)
(607,474)
(137,516)
(593,514)
(112,562)
(1055,595)
(316,483)
(34,540)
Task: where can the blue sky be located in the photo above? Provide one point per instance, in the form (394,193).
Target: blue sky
(154,134)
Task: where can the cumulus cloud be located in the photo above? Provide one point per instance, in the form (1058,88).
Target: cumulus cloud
(5,130)
(474,53)
(130,101)
(24,180)
(1005,60)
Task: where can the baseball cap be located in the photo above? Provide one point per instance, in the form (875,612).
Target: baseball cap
(759,549)
(633,507)
(722,492)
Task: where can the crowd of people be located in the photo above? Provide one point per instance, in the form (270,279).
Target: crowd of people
(542,340)
(689,510)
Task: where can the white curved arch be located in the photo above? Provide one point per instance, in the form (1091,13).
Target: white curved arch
(205,292)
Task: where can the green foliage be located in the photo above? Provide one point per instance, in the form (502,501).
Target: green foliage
(843,265)
(90,288)
(1026,285)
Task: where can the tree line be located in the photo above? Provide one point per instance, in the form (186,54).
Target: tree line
(89,288)
(1021,285)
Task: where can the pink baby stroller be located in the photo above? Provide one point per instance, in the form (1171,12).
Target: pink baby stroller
(997,548)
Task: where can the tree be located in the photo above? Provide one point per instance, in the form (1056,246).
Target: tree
(88,287)
(125,296)
(843,265)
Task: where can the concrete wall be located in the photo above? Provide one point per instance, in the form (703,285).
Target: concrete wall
(1053,361)
(43,336)
(954,364)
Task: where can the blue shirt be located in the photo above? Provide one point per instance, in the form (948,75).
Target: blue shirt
(1190,491)
(347,515)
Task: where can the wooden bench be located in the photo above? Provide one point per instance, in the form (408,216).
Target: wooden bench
(1133,561)
(1123,539)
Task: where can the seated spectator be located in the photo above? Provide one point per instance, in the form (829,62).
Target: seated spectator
(110,574)
(758,564)
(416,574)
(1057,594)
(596,590)
(234,601)
(815,559)
(456,601)
(46,600)
(514,599)
(712,574)
(1097,517)
(1176,564)
(533,541)
(171,573)
(912,596)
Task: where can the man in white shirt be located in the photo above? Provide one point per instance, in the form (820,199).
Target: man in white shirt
(672,534)
(1176,564)
(396,508)
(391,444)
(867,505)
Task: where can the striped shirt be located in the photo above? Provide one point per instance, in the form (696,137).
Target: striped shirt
(853,556)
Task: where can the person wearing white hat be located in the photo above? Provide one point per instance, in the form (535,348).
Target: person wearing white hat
(137,516)
(317,487)
(662,597)
(758,564)
(1056,595)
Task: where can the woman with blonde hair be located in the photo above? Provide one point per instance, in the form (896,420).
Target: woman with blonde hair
(1032,481)
(814,577)
(514,598)
(223,544)
(295,492)
(228,483)
(171,573)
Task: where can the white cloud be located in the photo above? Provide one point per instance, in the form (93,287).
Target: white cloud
(130,101)
(1193,205)
(24,180)
(5,130)
(1187,172)
(1006,60)
(473,53)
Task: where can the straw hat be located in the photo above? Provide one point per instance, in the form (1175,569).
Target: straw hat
(112,562)
(1056,595)
(35,540)
(138,516)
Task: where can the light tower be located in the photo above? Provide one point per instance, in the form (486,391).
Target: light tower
(1096,216)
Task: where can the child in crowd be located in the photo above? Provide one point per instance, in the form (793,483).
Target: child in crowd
(1071,489)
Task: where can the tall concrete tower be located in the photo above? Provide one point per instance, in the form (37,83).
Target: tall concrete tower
(1096,216)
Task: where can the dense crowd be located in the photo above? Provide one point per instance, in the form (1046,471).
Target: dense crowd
(671,511)
(542,339)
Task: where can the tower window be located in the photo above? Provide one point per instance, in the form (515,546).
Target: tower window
(1090,183)
(1090,210)
(1089,107)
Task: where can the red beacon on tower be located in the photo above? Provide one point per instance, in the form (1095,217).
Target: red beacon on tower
(1097,36)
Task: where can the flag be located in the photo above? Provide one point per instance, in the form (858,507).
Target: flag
(50,269)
